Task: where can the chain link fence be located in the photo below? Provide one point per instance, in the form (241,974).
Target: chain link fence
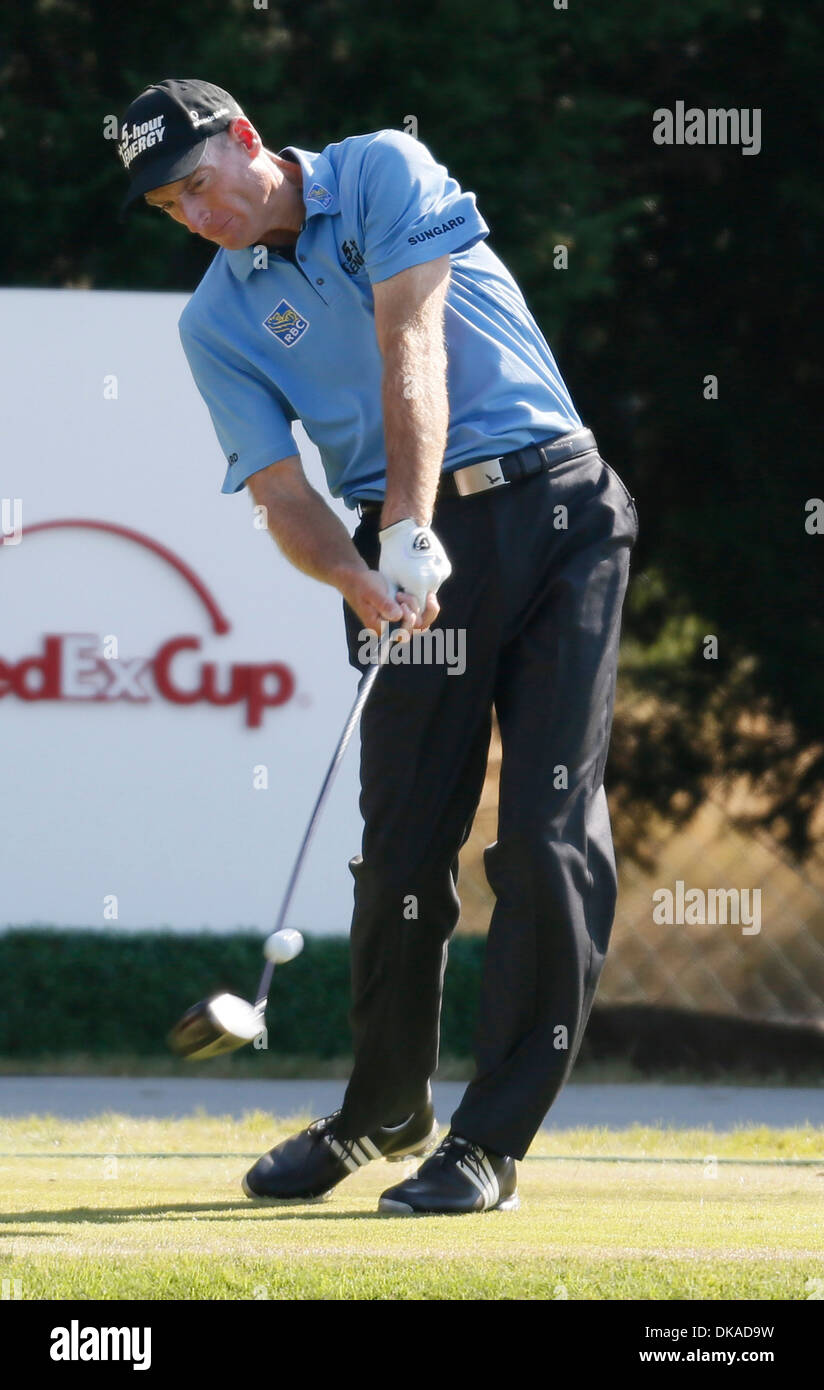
(757,954)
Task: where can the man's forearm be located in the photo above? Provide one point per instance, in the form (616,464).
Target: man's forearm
(311,537)
(416,416)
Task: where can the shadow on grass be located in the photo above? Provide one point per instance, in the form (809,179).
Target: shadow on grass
(282,1209)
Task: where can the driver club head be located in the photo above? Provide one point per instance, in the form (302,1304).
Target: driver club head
(221,1023)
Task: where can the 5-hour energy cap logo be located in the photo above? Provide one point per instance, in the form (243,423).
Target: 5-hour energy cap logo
(286,324)
(136,138)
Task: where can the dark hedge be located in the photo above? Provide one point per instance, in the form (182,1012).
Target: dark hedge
(120,992)
(99,994)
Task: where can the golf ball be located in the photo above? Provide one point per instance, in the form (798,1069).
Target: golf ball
(283,945)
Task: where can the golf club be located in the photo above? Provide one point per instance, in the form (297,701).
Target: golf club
(225,1022)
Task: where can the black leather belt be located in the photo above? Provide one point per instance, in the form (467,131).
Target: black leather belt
(487,474)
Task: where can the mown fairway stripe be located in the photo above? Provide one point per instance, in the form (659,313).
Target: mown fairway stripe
(530,1158)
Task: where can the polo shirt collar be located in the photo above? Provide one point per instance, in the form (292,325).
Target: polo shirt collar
(320,194)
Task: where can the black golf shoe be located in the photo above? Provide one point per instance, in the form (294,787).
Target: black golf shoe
(459,1177)
(313,1162)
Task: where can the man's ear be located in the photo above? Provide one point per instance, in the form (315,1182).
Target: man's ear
(243,132)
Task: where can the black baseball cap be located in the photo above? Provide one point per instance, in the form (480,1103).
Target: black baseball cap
(164,131)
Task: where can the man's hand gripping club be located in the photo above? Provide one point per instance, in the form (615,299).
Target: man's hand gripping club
(413,564)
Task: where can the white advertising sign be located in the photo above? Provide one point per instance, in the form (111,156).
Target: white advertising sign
(171,688)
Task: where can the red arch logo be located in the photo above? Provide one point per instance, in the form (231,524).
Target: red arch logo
(220,624)
(66,669)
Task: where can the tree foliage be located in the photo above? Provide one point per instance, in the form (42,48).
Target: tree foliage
(684,262)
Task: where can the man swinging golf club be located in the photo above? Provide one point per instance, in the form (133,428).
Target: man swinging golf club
(353,290)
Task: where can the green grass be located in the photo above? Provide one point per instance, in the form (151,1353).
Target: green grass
(91,1210)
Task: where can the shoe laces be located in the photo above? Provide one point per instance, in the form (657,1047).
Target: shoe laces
(323,1130)
(320,1127)
(455,1149)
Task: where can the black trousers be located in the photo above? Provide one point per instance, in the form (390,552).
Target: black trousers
(539,572)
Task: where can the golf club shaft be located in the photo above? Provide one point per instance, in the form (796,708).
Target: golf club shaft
(365,684)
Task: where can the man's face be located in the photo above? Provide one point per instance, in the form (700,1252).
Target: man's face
(233,198)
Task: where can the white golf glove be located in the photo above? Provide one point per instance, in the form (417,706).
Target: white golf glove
(413,559)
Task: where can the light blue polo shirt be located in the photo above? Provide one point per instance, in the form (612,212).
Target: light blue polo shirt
(270,341)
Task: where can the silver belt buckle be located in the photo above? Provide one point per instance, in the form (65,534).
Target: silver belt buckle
(479,477)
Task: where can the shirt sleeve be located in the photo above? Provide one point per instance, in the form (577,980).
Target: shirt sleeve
(412,211)
(250,420)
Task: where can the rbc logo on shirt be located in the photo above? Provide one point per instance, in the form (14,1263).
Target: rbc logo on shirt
(319,194)
(286,324)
